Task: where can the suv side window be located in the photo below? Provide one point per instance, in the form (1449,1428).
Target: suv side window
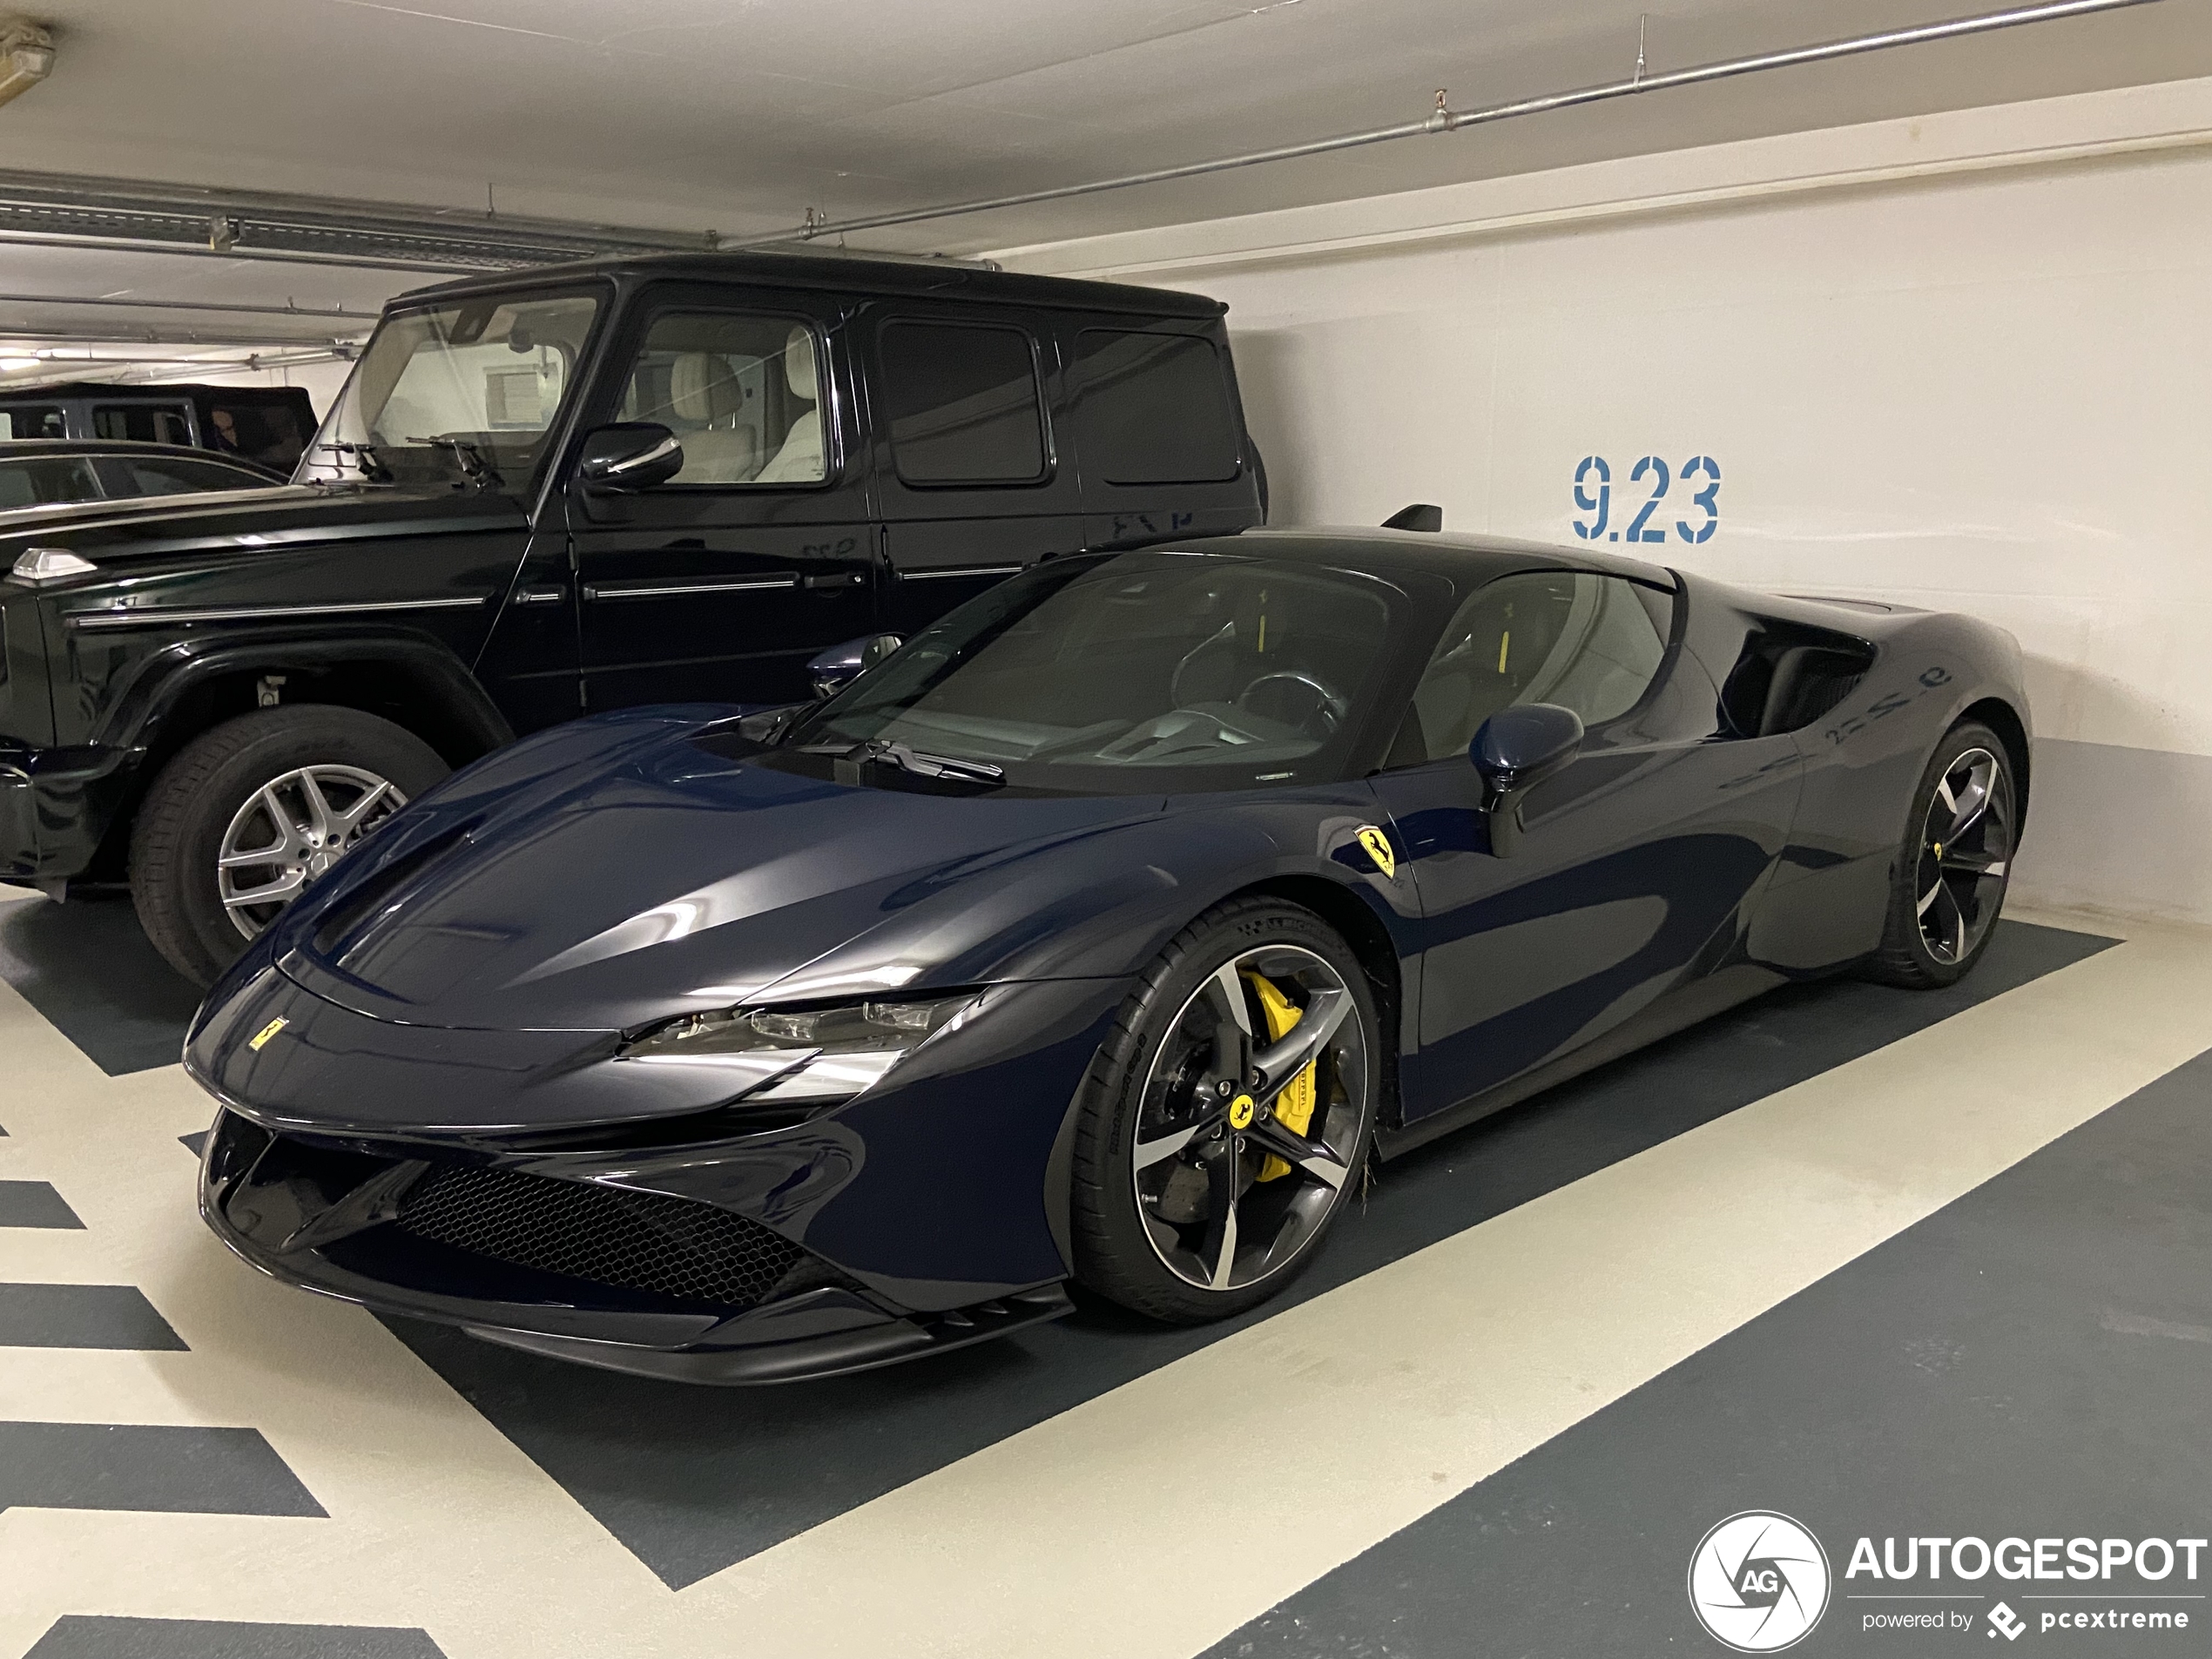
(1155,408)
(141,423)
(1591,644)
(964,403)
(743,394)
(35,421)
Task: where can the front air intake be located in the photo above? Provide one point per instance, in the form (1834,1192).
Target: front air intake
(641,1241)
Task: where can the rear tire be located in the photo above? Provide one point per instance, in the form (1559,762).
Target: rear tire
(178,838)
(1947,885)
(1204,1220)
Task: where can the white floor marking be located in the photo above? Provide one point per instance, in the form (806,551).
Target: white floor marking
(1096,1533)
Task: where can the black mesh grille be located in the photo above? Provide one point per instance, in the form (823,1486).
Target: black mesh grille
(639,1240)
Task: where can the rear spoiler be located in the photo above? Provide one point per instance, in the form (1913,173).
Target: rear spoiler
(1419,516)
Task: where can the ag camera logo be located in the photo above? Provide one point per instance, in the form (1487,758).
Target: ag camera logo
(1758,1582)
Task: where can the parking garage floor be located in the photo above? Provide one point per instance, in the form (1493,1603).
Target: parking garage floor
(1885,1262)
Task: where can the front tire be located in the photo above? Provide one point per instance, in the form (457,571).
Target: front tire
(248,812)
(1947,886)
(1226,1119)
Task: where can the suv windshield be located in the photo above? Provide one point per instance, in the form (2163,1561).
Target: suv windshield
(1123,673)
(452,390)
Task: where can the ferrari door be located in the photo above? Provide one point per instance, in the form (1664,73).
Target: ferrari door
(1638,861)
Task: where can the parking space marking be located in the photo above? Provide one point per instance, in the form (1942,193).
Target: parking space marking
(1443,1364)
(1433,1373)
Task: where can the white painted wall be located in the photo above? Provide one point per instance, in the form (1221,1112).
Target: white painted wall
(1964,362)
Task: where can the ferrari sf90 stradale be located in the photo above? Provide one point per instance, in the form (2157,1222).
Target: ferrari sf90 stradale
(1100,935)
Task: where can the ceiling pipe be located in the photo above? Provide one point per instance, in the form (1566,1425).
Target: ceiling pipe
(224,306)
(1443,119)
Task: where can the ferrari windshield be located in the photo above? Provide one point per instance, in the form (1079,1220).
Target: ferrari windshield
(455,391)
(1125,673)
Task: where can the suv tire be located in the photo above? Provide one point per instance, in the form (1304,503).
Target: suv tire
(199,798)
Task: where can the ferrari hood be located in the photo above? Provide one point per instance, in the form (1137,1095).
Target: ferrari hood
(616,872)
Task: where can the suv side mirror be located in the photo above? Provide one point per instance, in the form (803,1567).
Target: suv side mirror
(632,455)
(840,665)
(1517,749)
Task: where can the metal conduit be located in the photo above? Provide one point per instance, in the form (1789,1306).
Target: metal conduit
(1448,120)
(231,307)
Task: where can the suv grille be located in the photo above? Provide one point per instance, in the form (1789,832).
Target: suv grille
(642,1241)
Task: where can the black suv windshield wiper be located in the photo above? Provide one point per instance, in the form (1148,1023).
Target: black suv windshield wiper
(363,455)
(469,453)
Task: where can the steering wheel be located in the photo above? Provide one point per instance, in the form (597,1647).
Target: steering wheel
(1313,706)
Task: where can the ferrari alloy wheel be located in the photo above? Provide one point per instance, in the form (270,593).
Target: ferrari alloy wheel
(1221,1140)
(1951,875)
(248,814)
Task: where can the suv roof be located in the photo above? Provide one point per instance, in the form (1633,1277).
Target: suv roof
(17,448)
(934,278)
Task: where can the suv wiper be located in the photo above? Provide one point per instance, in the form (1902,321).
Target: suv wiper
(363,456)
(474,467)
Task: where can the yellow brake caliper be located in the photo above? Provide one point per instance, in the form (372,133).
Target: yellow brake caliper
(1294,1106)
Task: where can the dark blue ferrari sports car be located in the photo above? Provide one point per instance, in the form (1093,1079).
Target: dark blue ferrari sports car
(1100,933)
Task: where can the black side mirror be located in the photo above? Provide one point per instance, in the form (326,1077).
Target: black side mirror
(1517,749)
(633,455)
(840,665)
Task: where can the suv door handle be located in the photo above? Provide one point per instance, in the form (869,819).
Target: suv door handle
(540,596)
(837,579)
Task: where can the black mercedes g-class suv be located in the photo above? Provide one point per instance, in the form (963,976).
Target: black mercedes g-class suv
(662,479)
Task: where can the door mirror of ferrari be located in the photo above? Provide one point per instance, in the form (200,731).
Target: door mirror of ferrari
(632,455)
(840,665)
(1516,749)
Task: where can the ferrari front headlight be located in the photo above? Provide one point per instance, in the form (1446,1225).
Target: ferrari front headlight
(783,1054)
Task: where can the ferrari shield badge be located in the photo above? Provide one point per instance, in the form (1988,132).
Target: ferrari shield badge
(1378,848)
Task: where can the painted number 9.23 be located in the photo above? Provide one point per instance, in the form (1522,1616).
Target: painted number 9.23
(1643,493)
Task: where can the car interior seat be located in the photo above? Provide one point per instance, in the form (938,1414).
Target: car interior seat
(799,460)
(704,397)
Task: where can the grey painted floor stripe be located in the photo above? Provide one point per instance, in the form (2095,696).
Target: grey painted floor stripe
(80,1637)
(86,966)
(691,1480)
(1967,1378)
(83,1316)
(34,1204)
(188,1471)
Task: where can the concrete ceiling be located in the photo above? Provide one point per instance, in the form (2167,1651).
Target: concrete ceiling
(739,115)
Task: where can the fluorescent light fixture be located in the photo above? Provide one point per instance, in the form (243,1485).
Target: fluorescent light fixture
(9,365)
(26,56)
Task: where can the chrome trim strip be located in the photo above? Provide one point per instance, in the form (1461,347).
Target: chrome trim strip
(960,570)
(152,616)
(669,589)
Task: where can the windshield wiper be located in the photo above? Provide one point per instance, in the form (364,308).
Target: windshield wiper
(918,762)
(477,470)
(363,456)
